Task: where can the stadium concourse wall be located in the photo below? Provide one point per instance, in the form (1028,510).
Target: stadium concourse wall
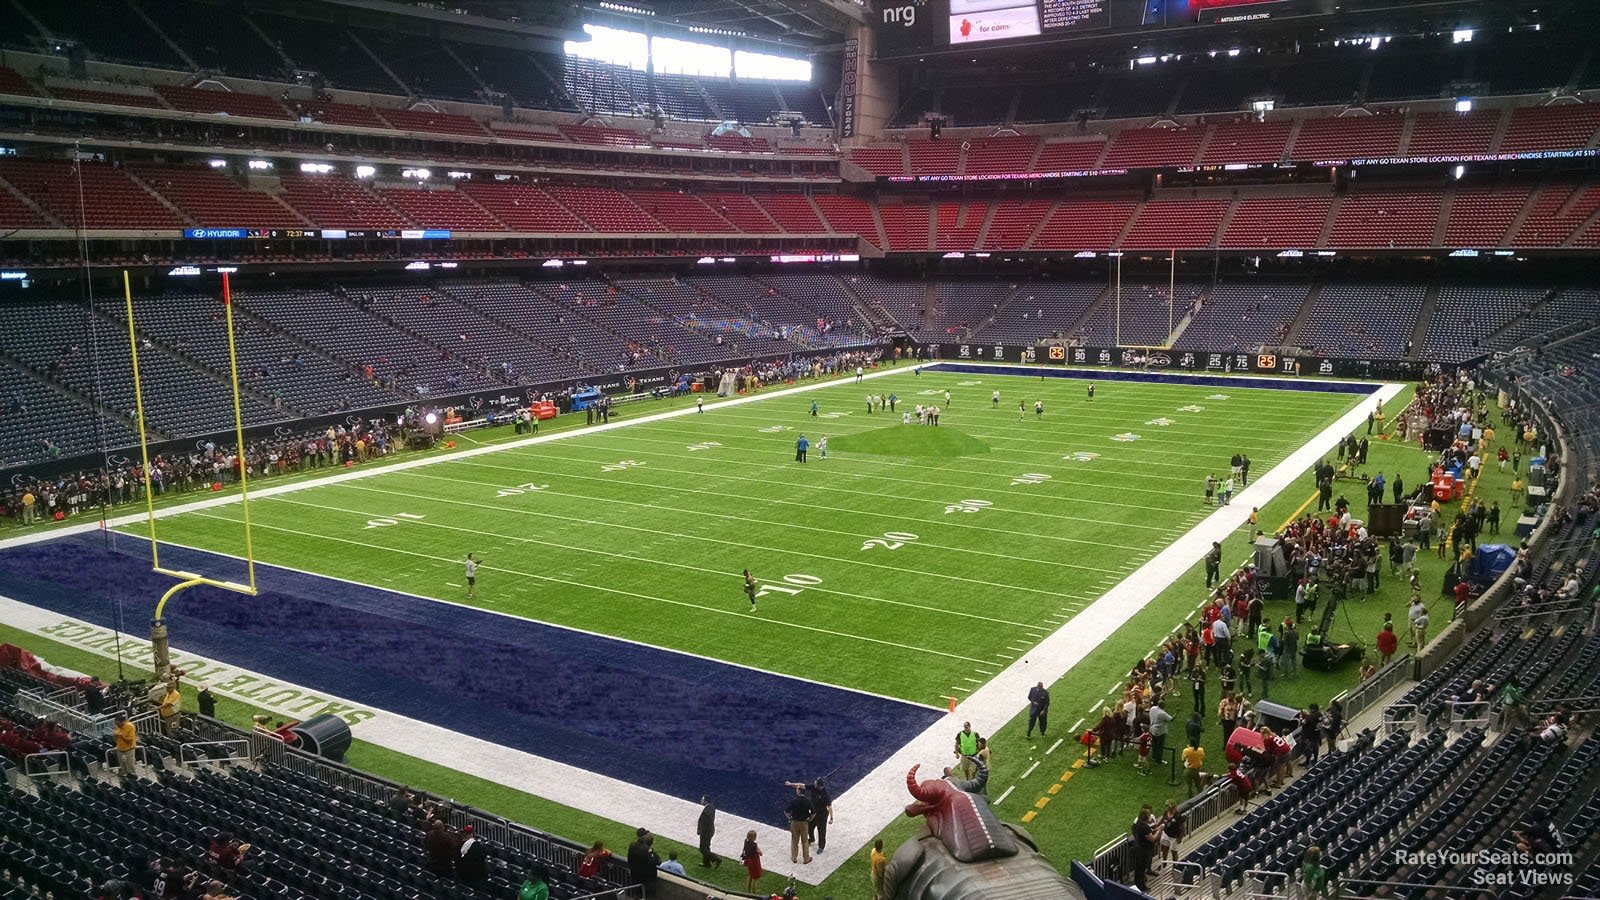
(1453,636)
(486,399)
(1152,363)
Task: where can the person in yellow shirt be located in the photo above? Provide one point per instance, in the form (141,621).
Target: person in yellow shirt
(1516,488)
(880,872)
(127,740)
(171,704)
(28,503)
(1194,764)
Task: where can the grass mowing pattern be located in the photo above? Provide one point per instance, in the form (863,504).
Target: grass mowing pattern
(642,532)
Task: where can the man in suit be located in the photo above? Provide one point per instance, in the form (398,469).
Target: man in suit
(706,828)
(1038,708)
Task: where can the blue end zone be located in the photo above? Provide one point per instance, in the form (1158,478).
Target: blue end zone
(677,724)
(1166,377)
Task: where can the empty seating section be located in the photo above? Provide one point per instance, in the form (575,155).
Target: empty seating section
(572,339)
(523,207)
(269,364)
(465,334)
(108,199)
(520,74)
(904,301)
(806,100)
(603,88)
(742,211)
(749,102)
(1248,142)
(1013,223)
(1040,309)
(34,413)
(1550,128)
(1328,79)
(341,330)
(1069,156)
(1557,212)
(15,213)
(880,159)
(958,225)
(906,227)
(1481,216)
(59,342)
(1084,225)
(652,335)
(999,156)
(1348,137)
(333,201)
(108,29)
(212,197)
(738,143)
(606,209)
(343,114)
(432,122)
(1154,147)
(850,215)
(1386,219)
(423,63)
(830,296)
(232,103)
(1276,223)
(113,98)
(1241,316)
(1559,312)
(682,212)
(614,137)
(1138,316)
(703,316)
(1453,134)
(677,96)
(1134,97)
(1218,86)
(792,212)
(767,304)
(1370,320)
(1403,75)
(11,82)
(968,303)
(329,50)
(1466,313)
(441,208)
(1175,224)
(217,38)
(934,157)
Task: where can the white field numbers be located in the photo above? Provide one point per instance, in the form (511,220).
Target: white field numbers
(386,521)
(891,540)
(621,464)
(791,585)
(967,506)
(1030,478)
(703,445)
(521,489)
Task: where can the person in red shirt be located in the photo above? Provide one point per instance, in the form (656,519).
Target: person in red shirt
(1144,750)
(1388,642)
(1463,594)
(1241,786)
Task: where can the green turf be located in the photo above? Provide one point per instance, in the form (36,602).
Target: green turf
(643,532)
(908,441)
(659,546)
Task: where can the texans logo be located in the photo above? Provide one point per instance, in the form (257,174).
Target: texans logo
(117,460)
(531,395)
(352,420)
(200,445)
(477,403)
(16,481)
(281,432)
(966,28)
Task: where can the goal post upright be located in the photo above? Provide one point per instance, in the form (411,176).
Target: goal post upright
(158,625)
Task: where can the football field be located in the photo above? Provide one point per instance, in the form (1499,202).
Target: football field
(913,561)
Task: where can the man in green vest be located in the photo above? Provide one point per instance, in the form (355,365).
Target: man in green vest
(966,749)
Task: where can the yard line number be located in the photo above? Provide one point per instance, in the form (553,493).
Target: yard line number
(967,506)
(520,489)
(621,464)
(791,585)
(891,540)
(386,521)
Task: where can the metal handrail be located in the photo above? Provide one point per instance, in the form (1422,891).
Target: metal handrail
(239,750)
(47,756)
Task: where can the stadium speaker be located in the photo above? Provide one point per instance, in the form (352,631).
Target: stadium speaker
(1270,560)
(1385,519)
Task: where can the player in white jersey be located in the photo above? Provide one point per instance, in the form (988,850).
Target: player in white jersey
(472,577)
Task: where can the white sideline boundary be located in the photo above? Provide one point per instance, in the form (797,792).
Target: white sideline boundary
(870,805)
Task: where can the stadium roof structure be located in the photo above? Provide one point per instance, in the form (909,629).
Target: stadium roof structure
(812,24)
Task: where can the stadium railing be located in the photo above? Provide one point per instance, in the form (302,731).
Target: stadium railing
(1367,694)
(51,707)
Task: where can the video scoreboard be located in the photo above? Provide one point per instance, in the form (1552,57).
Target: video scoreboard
(906,27)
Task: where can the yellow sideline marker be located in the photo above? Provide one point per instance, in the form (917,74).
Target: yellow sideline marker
(158,627)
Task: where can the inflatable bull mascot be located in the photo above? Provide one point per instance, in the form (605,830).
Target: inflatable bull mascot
(967,853)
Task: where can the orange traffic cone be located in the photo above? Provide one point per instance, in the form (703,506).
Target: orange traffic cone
(952,704)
